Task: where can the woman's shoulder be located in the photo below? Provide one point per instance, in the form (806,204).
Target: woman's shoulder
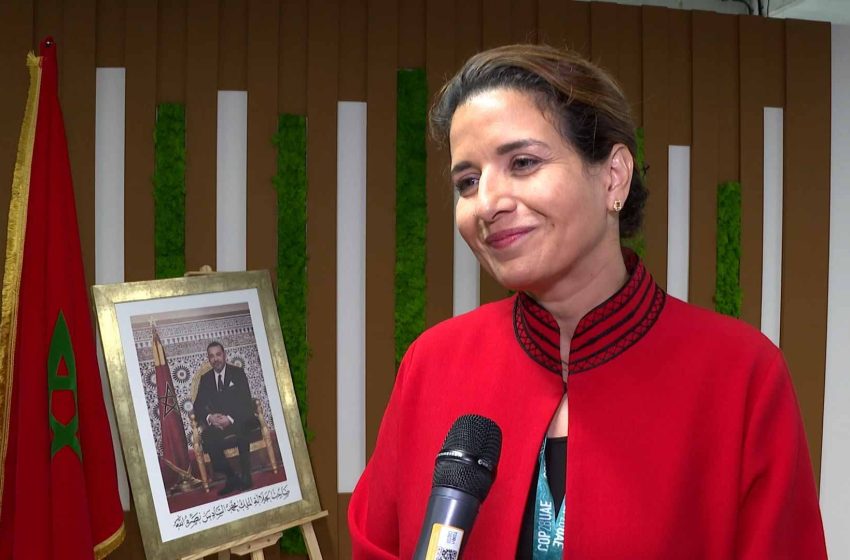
(459,339)
(699,323)
(735,355)
(490,317)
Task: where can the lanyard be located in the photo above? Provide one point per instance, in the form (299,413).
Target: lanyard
(548,530)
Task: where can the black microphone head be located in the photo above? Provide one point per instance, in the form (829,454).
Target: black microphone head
(468,458)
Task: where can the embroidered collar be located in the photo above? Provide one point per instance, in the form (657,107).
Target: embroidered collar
(607,331)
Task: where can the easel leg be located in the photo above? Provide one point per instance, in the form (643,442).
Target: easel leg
(311,541)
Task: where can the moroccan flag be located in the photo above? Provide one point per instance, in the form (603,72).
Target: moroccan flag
(175,452)
(58,481)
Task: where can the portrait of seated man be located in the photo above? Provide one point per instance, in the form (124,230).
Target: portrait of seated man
(223,408)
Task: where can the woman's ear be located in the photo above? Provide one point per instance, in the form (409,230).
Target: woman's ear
(620,169)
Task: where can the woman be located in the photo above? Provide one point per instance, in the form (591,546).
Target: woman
(685,439)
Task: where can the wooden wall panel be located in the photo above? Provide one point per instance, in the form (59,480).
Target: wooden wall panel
(380,204)
(132,547)
(762,76)
(564,24)
(773,61)
(630,58)
(344,537)
(705,159)
(604,37)
(262,81)
(140,120)
(551,17)
(171,51)
(524,21)
(292,73)
(714,155)
(577,27)
(78,105)
(111,25)
(49,21)
(805,236)
(232,44)
(411,33)
(16,28)
(468,30)
(680,60)
(656,123)
(496,24)
(440,66)
(353,29)
(201,123)
(751,52)
(322,75)
(727,92)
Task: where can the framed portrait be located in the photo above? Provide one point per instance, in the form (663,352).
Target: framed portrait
(206,410)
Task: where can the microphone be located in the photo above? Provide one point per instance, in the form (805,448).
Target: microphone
(464,471)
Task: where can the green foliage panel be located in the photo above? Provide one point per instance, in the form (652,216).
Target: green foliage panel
(169,191)
(290,182)
(411,209)
(727,288)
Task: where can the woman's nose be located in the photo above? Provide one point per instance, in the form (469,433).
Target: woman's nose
(492,197)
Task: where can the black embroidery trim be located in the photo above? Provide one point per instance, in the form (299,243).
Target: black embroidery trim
(541,337)
(539,313)
(610,306)
(640,285)
(592,340)
(628,340)
(531,348)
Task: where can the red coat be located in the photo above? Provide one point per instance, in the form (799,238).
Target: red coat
(685,437)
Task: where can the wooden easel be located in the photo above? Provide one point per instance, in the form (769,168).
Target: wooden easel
(203,271)
(254,544)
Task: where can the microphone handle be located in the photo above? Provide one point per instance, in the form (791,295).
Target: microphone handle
(448,520)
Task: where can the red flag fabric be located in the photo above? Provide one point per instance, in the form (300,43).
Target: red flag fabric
(58,483)
(175,452)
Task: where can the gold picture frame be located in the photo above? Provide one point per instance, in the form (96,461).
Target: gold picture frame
(194,308)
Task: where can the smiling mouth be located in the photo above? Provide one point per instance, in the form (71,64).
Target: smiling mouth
(506,238)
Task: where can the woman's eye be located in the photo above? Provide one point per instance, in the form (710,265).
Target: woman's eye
(466,184)
(524,163)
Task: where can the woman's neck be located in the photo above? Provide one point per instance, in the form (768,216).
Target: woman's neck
(587,286)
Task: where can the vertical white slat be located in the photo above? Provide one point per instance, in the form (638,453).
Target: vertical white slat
(466,291)
(231,181)
(109,176)
(771,276)
(835,455)
(678,220)
(109,219)
(351,293)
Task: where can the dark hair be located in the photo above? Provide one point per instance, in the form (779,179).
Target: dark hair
(589,108)
(215,343)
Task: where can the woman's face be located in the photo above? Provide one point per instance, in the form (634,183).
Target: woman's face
(530,209)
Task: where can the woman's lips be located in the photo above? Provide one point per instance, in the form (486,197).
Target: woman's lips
(507,237)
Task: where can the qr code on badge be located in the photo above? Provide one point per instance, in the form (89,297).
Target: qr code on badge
(445,554)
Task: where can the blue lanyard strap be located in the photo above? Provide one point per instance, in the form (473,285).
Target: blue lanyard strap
(548,529)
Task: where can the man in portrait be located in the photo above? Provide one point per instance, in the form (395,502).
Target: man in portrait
(224,410)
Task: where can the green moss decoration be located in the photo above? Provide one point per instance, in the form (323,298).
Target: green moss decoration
(290,182)
(727,290)
(411,209)
(169,190)
(636,243)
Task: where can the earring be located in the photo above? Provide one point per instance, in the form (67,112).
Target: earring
(618,206)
